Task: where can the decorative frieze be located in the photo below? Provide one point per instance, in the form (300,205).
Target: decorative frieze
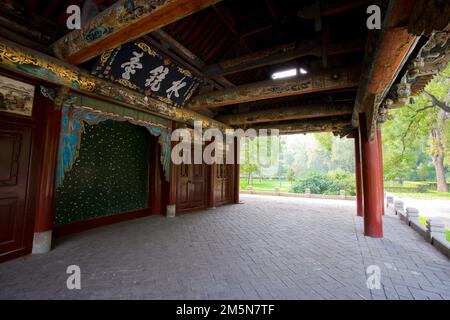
(37,65)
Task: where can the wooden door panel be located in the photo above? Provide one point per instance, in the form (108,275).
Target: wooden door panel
(223,184)
(10,142)
(198,183)
(15,146)
(191,192)
(183,186)
(7,215)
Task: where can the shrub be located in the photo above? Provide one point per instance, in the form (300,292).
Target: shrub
(325,183)
(317,182)
(345,180)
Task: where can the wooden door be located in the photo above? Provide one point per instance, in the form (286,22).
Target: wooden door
(224,183)
(198,186)
(16,222)
(191,188)
(183,188)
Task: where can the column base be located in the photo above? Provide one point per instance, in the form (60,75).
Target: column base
(171,211)
(42,242)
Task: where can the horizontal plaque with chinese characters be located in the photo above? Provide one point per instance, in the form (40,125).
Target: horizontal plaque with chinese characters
(137,66)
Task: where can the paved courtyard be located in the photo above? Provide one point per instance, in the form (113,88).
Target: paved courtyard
(266,248)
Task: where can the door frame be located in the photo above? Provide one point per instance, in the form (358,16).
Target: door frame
(33,123)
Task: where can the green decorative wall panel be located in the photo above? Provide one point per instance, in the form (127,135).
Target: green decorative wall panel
(109,176)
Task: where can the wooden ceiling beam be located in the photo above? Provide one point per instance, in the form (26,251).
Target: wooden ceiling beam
(270,7)
(256,31)
(279,54)
(328,124)
(330,8)
(153,42)
(287,113)
(386,53)
(323,81)
(231,24)
(122,22)
(188,55)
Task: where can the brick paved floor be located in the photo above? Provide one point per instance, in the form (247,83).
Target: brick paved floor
(269,247)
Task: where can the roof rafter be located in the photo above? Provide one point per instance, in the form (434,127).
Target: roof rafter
(279,54)
(120,23)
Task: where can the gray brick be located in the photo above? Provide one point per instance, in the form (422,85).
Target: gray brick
(267,248)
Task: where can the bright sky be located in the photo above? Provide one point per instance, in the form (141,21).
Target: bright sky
(295,139)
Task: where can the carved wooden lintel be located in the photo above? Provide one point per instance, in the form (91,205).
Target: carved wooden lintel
(324,81)
(38,65)
(289,113)
(329,124)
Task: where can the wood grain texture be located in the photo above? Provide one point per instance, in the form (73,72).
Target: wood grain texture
(290,113)
(326,80)
(122,22)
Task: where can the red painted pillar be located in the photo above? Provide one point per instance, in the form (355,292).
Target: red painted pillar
(358,176)
(380,152)
(172,198)
(373,226)
(49,133)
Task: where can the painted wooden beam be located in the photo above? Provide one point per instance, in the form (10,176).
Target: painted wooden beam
(329,124)
(37,65)
(184,52)
(324,81)
(329,8)
(386,53)
(280,54)
(122,22)
(289,113)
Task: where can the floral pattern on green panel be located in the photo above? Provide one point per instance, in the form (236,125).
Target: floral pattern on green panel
(110,175)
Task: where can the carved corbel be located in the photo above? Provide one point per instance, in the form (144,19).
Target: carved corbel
(59,96)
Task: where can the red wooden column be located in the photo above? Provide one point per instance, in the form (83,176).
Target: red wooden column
(373,226)
(380,151)
(358,176)
(236,180)
(172,198)
(49,132)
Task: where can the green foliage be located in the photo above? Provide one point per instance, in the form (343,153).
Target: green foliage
(267,185)
(290,176)
(407,147)
(325,183)
(249,169)
(317,182)
(325,141)
(323,153)
(345,181)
